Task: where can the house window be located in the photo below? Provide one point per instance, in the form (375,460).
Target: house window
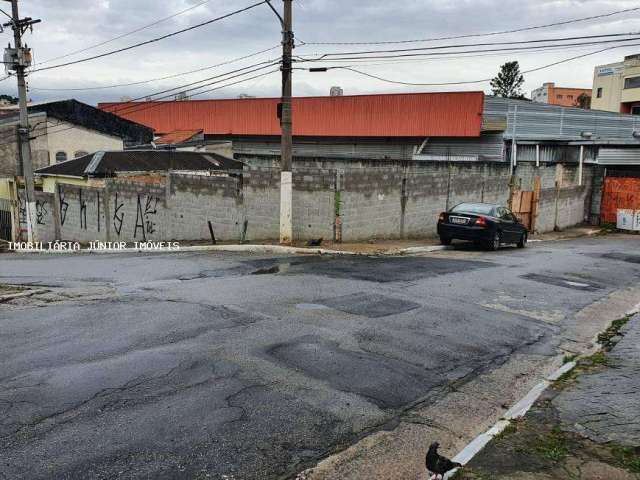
(80,153)
(559,97)
(61,157)
(635,110)
(570,97)
(632,82)
(599,92)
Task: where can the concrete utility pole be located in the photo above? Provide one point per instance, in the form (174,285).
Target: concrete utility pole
(286,122)
(21,58)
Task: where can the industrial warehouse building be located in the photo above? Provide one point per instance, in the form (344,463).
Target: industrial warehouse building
(371,166)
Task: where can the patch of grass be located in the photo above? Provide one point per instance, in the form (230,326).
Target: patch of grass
(569,358)
(607,228)
(627,457)
(606,338)
(596,360)
(552,446)
(510,429)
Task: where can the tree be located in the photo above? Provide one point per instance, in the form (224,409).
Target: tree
(11,100)
(508,82)
(583,101)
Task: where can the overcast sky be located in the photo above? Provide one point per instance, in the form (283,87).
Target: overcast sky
(68,25)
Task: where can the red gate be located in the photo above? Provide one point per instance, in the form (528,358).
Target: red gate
(619,192)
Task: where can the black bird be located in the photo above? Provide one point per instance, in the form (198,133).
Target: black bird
(437,464)
(315,242)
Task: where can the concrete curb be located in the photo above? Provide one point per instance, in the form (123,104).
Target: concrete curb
(201,248)
(518,410)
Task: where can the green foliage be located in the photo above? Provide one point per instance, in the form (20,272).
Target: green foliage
(9,98)
(627,457)
(583,101)
(607,338)
(552,446)
(508,82)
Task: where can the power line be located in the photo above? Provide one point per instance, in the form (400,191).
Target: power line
(182,88)
(153,40)
(501,32)
(152,24)
(463,45)
(151,80)
(436,54)
(466,82)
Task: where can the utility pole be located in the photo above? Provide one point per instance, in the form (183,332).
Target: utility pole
(18,59)
(286,123)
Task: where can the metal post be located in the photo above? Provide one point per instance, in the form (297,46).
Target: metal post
(24,129)
(581,161)
(286,122)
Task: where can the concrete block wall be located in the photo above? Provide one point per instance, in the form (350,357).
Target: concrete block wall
(371,204)
(397,200)
(81,213)
(45,220)
(314,204)
(261,203)
(197,200)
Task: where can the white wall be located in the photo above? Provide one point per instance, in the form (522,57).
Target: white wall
(69,138)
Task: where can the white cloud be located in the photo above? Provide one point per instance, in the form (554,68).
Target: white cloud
(70,25)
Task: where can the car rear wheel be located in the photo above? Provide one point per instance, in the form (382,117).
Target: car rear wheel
(494,244)
(445,240)
(523,240)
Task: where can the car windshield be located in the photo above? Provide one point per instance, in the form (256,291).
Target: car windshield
(480,208)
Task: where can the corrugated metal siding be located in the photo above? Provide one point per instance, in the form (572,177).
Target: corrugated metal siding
(486,147)
(457,114)
(330,148)
(542,121)
(555,153)
(619,156)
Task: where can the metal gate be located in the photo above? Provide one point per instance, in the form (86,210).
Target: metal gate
(619,192)
(5,220)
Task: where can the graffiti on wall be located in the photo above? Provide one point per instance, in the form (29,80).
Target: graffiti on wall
(64,206)
(118,215)
(145,217)
(83,211)
(41,212)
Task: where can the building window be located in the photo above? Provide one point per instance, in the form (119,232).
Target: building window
(80,153)
(635,110)
(559,97)
(632,82)
(599,92)
(61,157)
(570,97)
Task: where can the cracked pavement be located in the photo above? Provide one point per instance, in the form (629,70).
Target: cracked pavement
(203,365)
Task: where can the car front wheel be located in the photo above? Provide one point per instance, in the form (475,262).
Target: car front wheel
(445,240)
(523,240)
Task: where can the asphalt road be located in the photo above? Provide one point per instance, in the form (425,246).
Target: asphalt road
(253,367)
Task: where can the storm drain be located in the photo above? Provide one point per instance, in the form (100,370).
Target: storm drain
(562,282)
(368,305)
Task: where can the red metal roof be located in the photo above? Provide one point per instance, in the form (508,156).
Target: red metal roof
(177,136)
(455,114)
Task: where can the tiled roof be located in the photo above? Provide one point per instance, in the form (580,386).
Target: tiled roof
(177,137)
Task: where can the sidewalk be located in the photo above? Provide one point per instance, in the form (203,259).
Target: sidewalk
(393,247)
(586,426)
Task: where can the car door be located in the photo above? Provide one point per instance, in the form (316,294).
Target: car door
(510,229)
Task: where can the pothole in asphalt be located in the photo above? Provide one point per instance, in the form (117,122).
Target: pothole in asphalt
(562,282)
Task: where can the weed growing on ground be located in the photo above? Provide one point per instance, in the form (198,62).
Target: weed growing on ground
(627,457)
(552,446)
(606,338)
